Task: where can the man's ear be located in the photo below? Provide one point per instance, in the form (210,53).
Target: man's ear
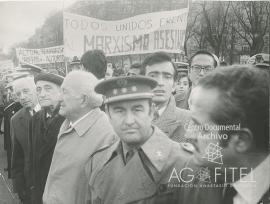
(107,110)
(152,110)
(84,100)
(242,140)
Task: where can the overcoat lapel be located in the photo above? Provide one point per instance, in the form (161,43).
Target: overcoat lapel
(168,122)
(24,119)
(135,182)
(49,137)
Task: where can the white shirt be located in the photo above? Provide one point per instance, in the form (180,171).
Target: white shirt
(36,109)
(251,192)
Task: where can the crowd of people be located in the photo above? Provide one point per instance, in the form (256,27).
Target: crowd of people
(145,135)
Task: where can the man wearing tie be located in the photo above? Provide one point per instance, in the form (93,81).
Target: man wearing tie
(230,134)
(24,89)
(170,119)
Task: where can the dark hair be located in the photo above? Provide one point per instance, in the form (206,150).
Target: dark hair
(185,75)
(156,58)
(203,52)
(94,61)
(136,65)
(244,100)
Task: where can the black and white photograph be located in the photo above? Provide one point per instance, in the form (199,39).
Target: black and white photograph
(134,102)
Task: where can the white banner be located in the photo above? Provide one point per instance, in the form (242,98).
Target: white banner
(6,65)
(41,56)
(146,33)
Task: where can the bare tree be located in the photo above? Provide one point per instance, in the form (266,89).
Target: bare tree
(253,23)
(215,18)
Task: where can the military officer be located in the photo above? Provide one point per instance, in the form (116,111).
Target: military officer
(137,168)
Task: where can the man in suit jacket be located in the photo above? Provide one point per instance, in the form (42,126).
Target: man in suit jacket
(43,131)
(85,130)
(170,119)
(136,169)
(24,89)
(230,133)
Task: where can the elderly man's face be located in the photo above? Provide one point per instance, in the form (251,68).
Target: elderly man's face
(25,94)
(48,93)
(70,101)
(131,121)
(200,65)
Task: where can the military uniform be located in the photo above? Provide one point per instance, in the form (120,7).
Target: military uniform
(120,175)
(9,111)
(144,179)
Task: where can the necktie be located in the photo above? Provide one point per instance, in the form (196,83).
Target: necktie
(156,114)
(229,194)
(129,155)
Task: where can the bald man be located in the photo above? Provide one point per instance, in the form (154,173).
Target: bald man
(24,88)
(85,131)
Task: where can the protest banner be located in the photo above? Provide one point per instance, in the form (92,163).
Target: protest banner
(41,56)
(145,33)
(6,65)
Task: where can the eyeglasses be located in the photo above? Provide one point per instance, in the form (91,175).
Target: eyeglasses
(198,68)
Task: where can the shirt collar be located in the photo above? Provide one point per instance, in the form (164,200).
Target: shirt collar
(86,121)
(37,108)
(80,119)
(252,192)
(157,149)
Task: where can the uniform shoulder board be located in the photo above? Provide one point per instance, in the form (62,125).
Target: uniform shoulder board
(9,106)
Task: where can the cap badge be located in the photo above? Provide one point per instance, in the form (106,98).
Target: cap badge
(121,82)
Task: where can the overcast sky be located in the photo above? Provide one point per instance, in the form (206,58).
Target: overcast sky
(19,19)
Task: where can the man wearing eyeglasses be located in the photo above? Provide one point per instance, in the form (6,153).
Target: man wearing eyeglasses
(201,63)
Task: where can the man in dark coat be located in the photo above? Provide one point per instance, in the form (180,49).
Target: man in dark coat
(9,111)
(44,128)
(25,90)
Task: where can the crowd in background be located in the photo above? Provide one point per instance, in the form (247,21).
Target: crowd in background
(105,134)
